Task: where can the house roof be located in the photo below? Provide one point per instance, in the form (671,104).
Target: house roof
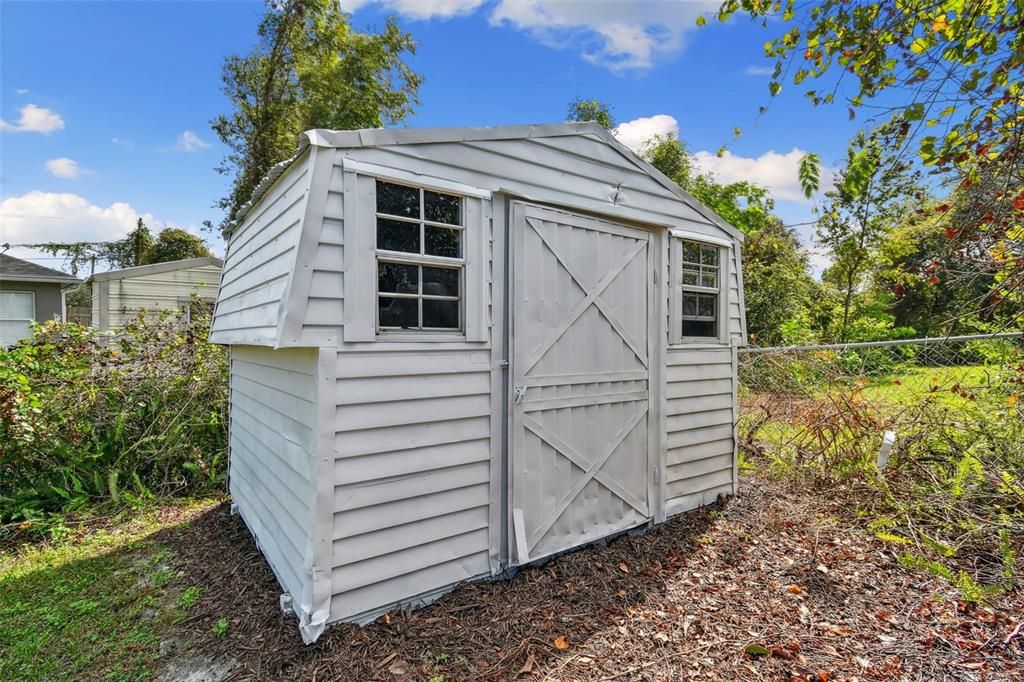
(372,137)
(17,270)
(156,268)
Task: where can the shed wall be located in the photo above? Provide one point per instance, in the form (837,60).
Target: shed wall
(411,472)
(272,441)
(128,296)
(699,419)
(259,260)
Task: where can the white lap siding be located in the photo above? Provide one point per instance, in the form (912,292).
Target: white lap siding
(273,397)
(412,473)
(699,418)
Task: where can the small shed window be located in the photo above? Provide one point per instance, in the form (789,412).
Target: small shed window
(420,265)
(699,305)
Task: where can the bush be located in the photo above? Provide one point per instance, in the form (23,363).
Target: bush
(87,417)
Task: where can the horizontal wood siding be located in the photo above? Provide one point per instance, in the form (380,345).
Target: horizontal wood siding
(411,471)
(699,423)
(271,445)
(160,291)
(259,261)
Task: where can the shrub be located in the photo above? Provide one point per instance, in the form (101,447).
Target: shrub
(87,417)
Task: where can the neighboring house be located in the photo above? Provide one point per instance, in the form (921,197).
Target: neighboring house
(119,295)
(29,292)
(459,351)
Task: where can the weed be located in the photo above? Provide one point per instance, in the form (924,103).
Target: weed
(220,628)
(189,597)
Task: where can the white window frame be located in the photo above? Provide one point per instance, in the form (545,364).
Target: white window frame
(362,256)
(30,320)
(677,237)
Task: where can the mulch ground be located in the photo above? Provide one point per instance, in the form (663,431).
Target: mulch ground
(770,586)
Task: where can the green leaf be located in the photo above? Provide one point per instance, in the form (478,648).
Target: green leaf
(701,20)
(757,650)
(809,173)
(919,46)
(774,88)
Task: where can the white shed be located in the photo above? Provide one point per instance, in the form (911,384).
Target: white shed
(457,351)
(119,295)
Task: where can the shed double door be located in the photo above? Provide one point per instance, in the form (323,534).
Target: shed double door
(580,356)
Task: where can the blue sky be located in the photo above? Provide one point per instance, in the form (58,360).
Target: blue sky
(106,106)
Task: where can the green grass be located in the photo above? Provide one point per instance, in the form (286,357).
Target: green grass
(91,606)
(912,385)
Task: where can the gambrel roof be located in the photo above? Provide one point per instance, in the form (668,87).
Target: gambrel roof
(376,137)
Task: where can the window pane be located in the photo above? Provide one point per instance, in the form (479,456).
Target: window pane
(398,199)
(709,255)
(689,304)
(709,278)
(398,278)
(16,305)
(707,306)
(691,252)
(699,328)
(443,208)
(440,282)
(12,331)
(394,235)
(690,277)
(398,312)
(443,242)
(440,314)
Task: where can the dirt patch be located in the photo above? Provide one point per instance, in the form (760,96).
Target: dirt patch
(769,587)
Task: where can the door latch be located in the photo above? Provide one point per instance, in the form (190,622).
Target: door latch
(518,393)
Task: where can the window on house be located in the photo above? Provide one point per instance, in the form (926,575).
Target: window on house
(701,284)
(17,312)
(420,259)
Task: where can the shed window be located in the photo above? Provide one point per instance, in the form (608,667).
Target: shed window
(700,280)
(17,312)
(698,296)
(420,259)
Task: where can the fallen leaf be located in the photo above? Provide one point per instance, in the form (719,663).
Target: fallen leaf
(795,589)
(387,618)
(527,667)
(623,567)
(822,568)
(399,667)
(757,650)
(621,593)
(661,637)
(561,643)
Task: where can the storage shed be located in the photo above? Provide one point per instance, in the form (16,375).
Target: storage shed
(120,295)
(458,351)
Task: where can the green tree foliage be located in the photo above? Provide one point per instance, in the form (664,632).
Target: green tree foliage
(872,194)
(777,286)
(583,110)
(138,247)
(173,243)
(952,71)
(309,69)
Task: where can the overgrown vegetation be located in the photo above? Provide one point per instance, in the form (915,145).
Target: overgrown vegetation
(87,418)
(949,497)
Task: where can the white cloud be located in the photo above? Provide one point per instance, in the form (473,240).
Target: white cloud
(621,35)
(754,70)
(189,142)
(618,34)
(54,216)
(775,171)
(635,133)
(420,9)
(123,143)
(34,119)
(22,91)
(63,167)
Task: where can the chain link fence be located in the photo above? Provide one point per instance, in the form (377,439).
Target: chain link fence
(923,438)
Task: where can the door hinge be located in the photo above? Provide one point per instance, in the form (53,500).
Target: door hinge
(518,393)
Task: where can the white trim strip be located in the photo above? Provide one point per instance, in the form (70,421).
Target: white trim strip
(698,237)
(408,177)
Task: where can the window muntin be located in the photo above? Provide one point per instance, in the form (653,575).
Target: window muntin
(420,259)
(17,312)
(701,288)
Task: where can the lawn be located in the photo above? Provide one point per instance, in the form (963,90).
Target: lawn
(93,604)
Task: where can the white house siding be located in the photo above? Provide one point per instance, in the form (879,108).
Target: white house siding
(126,297)
(699,409)
(273,398)
(260,258)
(412,472)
